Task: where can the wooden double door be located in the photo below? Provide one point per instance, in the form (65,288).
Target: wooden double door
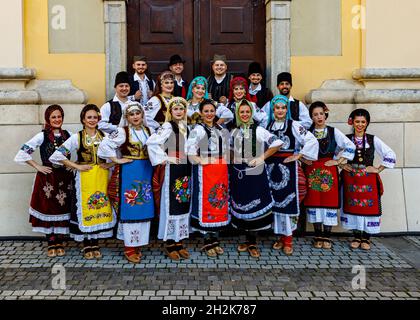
(196,30)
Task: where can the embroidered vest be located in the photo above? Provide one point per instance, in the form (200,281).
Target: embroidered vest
(134,150)
(88,154)
(248,145)
(364,156)
(327,145)
(47,148)
(211,150)
(176,142)
(160,116)
(286,135)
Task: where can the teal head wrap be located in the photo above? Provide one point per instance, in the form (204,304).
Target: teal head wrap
(198,80)
(276,100)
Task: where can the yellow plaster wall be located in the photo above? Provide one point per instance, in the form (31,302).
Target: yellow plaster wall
(86,71)
(392,33)
(310,71)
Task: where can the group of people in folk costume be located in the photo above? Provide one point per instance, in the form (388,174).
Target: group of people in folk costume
(230,154)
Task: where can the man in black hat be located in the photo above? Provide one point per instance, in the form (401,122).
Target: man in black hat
(142,84)
(112,111)
(258,92)
(298,111)
(176,65)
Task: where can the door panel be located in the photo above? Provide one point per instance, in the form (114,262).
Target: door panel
(196,29)
(159,29)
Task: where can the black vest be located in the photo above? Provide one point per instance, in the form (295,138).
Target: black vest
(247,151)
(176,141)
(220,139)
(218,90)
(116,113)
(134,85)
(178,89)
(286,135)
(294,110)
(365,156)
(47,148)
(263,96)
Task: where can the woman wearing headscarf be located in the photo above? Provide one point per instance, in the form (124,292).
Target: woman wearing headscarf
(49,208)
(250,198)
(92,217)
(130,187)
(362,185)
(197,92)
(238,92)
(166,148)
(285,174)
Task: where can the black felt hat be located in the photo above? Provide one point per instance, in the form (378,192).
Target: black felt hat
(176,58)
(254,67)
(284,76)
(121,77)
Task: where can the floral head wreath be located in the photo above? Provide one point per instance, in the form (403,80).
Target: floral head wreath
(166,75)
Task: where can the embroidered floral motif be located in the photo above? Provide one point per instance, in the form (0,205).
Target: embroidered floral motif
(182,189)
(218,195)
(98,200)
(302,130)
(183,230)
(47,189)
(139,194)
(271,140)
(64,151)
(362,188)
(134,236)
(331,214)
(349,150)
(389,160)
(248,206)
(60,184)
(60,197)
(320,180)
(373,224)
(285,173)
(27,149)
(360,202)
(359,173)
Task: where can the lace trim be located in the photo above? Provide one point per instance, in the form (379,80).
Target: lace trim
(47,217)
(252,215)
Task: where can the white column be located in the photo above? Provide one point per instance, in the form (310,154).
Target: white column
(277,39)
(115,41)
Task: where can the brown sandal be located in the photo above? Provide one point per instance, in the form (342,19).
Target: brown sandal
(88,253)
(318,243)
(182,251)
(365,244)
(97,252)
(326,243)
(209,249)
(51,252)
(254,251)
(131,255)
(59,249)
(278,244)
(173,254)
(355,243)
(242,247)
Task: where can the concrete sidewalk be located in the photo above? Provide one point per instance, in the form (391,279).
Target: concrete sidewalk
(392,272)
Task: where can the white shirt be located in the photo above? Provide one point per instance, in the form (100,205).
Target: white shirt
(143,87)
(104,123)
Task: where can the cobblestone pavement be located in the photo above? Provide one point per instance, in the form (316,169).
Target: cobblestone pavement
(27,273)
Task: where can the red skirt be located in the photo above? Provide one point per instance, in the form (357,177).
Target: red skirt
(362,193)
(323,186)
(51,199)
